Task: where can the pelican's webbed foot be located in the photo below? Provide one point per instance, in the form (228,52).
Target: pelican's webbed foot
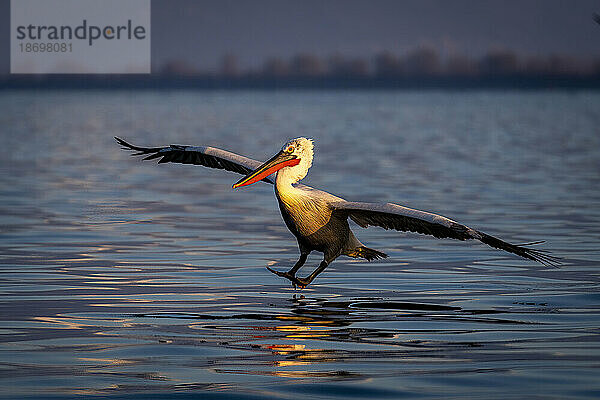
(301,283)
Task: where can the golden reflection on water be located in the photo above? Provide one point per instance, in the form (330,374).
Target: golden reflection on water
(65,322)
(61,323)
(290,363)
(298,354)
(292,328)
(107,361)
(284,349)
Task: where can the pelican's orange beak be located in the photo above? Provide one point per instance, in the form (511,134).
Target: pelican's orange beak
(280,160)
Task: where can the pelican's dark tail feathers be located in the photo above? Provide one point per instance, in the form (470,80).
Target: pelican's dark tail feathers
(367,253)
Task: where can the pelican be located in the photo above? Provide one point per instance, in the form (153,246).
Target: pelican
(319,220)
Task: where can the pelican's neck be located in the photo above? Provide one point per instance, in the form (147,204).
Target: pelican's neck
(284,181)
(288,176)
(284,188)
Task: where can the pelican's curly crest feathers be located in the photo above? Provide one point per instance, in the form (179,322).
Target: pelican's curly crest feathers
(302,148)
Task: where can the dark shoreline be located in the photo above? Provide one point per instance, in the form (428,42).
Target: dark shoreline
(160,82)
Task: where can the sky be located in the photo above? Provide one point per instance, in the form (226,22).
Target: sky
(200,32)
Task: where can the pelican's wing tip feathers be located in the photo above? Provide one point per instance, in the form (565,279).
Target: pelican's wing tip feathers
(400,218)
(211,157)
(124,144)
(541,256)
(141,150)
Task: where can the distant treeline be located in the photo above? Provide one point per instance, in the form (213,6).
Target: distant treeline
(422,67)
(419,62)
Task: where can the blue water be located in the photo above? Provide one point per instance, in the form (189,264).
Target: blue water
(126,278)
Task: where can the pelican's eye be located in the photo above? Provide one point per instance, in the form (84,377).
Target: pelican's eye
(289,149)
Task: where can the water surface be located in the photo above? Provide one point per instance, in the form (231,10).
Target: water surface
(124,278)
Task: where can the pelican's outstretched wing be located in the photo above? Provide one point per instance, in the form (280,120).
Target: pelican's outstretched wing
(200,155)
(393,216)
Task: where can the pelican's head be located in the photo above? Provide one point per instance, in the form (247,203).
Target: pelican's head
(294,160)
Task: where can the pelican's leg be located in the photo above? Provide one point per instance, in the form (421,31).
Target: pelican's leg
(306,281)
(291,274)
(299,264)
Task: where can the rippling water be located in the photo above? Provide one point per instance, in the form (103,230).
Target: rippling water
(124,278)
